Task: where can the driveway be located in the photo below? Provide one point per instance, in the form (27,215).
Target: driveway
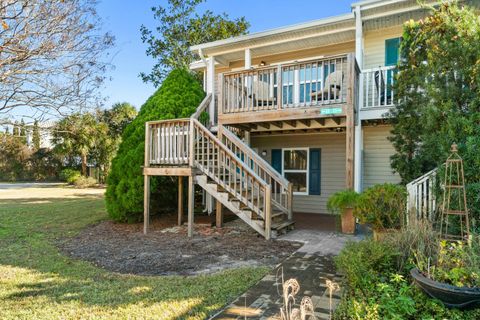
(24,185)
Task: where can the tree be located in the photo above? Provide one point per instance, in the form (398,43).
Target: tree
(76,135)
(36,135)
(52,55)
(16,129)
(23,132)
(438,91)
(118,117)
(112,123)
(13,157)
(179,28)
(178,96)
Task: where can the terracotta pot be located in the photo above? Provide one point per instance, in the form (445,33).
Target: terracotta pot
(348,221)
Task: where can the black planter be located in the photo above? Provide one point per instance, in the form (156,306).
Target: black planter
(451,296)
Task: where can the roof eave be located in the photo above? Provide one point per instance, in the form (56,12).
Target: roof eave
(266,34)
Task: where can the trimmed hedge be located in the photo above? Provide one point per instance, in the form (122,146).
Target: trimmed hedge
(178,97)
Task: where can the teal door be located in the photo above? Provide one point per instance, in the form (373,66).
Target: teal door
(277,160)
(392,54)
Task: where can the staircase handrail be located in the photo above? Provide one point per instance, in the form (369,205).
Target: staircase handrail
(269,172)
(203,105)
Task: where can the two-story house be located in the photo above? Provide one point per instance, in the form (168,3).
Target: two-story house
(295,114)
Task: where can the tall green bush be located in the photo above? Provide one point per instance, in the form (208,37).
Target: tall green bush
(178,97)
(382,206)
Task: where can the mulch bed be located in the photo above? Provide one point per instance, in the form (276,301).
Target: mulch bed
(166,249)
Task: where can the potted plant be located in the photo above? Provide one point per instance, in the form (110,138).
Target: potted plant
(383,207)
(343,203)
(452,275)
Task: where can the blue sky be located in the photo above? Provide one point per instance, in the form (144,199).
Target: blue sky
(124,18)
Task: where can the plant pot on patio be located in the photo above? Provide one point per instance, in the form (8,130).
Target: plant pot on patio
(348,221)
(342,203)
(451,296)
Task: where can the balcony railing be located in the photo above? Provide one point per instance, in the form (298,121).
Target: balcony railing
(376,87)
(301,84)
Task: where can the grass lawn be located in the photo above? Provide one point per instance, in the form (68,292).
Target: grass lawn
(39,282)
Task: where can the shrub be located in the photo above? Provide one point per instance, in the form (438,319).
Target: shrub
(178,97)
(69,175)
(341,200)
(365,261)
(382,205)
(473,204)
(413,243)
(84,182)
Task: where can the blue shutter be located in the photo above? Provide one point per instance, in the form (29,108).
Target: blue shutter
(277,160)
(392,49)
(314,172)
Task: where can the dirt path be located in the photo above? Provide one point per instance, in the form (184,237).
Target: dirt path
(125,249)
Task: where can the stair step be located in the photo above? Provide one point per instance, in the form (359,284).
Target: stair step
(283,225)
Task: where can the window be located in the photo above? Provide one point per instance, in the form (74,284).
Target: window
(295,169)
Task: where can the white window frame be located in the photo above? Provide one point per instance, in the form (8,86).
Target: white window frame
(294,170)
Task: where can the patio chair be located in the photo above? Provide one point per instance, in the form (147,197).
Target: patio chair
(332,89)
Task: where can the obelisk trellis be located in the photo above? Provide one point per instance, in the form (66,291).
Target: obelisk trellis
(454,207)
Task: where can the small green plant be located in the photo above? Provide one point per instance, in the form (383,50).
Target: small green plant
(341,200)
(69,175)
(85,182)
(382,206)
(456,264)
(364,262)
(416,243)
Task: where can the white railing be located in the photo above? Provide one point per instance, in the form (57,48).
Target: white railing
(421,202)
(376,87)
(299,84)
(168,142)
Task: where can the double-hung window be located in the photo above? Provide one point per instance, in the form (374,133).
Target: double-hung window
(295,168)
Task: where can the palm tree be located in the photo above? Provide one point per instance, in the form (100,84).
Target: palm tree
(76,135)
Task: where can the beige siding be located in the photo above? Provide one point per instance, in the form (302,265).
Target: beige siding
(332,147)
(374,46)
(376,156)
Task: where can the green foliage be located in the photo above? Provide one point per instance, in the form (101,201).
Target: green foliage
(438,92)
(43,164)
(341,200)
(84,182)
(413,243)
(36,135)
(13,157)
(178,97)
(473,205)
(69,175)
(382,206)
(375,287)
(77,135)
(179,28)
(364,261)
(118,117)
(41,282)
(455,263)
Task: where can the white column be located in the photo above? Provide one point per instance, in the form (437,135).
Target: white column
(211,88)
(358,163)
(248,59)
(358,37)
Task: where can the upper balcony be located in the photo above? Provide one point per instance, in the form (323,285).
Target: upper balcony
(376,91)
(310,89)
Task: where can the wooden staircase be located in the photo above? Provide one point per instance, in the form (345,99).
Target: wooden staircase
(226,168)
